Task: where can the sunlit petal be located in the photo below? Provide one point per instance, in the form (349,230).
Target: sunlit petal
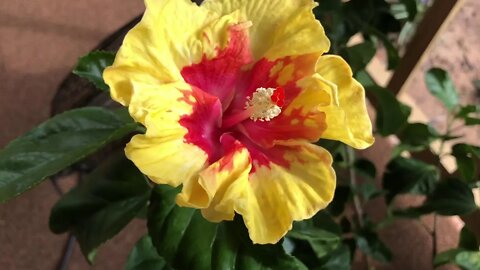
(349,121)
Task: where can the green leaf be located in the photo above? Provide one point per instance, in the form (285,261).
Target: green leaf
(411,6)
(321,232)
(364,78)
(368,190)
(91,67)
(418,134)
(339,259)
(468,240)
(441,86)
(406,175)
(467,260)
(392,52)
(400,148)
(329,5)
(331,146)
(145,257)
(415,137)
(445,257)
(467,110)
(392,115)
(399,11)
(368,242)
(470,121)
(358,56)
(330,12)
(340,199)
(57,144)
(365,168)
(321,241)
(187,241)
(467,157)
(102,205)
(451,197)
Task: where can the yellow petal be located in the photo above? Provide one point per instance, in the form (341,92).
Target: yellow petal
(280,27)
(216,189)
(158,46)
(277,195)
(171,35)
(163,160)
(168,99)
(348,121)
(160,153)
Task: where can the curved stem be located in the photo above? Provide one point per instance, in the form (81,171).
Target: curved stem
(353,183)
(450,120)
(357,204)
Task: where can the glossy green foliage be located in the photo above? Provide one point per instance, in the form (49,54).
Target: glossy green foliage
(57,144)
(466,255)
(144,256)
(451,197)
(365,168)
(359,55)
(411,8)
(372,18)
(392,115)
(91,67)
(418,134)
(368,242)
(186,240)
(406,175)
(470,114)
(467,157)
(468,240)
(466,260)
(102,205)
(339,259)
(441,86)
(367,171)
(341,198)
(321,232)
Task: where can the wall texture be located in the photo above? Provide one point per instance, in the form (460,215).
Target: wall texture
(40,43)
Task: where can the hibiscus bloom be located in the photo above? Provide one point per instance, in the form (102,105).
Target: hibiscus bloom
(232,93)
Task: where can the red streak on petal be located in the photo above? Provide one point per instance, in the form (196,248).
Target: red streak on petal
(278,96)
(261,156)
(217,76)
(286,127)
(203,124)
(231,146)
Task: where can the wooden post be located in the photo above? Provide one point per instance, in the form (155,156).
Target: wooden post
(436,17)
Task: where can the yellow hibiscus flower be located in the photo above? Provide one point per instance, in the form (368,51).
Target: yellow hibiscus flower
(232,93)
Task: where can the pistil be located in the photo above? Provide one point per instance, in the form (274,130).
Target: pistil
(264,105)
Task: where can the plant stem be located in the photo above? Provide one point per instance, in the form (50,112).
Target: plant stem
(353,184)
(450,120)
(434,236)
(356,199)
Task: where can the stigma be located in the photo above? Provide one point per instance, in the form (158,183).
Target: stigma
(265,103)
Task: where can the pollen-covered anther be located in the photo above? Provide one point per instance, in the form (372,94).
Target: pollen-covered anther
(265,103)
